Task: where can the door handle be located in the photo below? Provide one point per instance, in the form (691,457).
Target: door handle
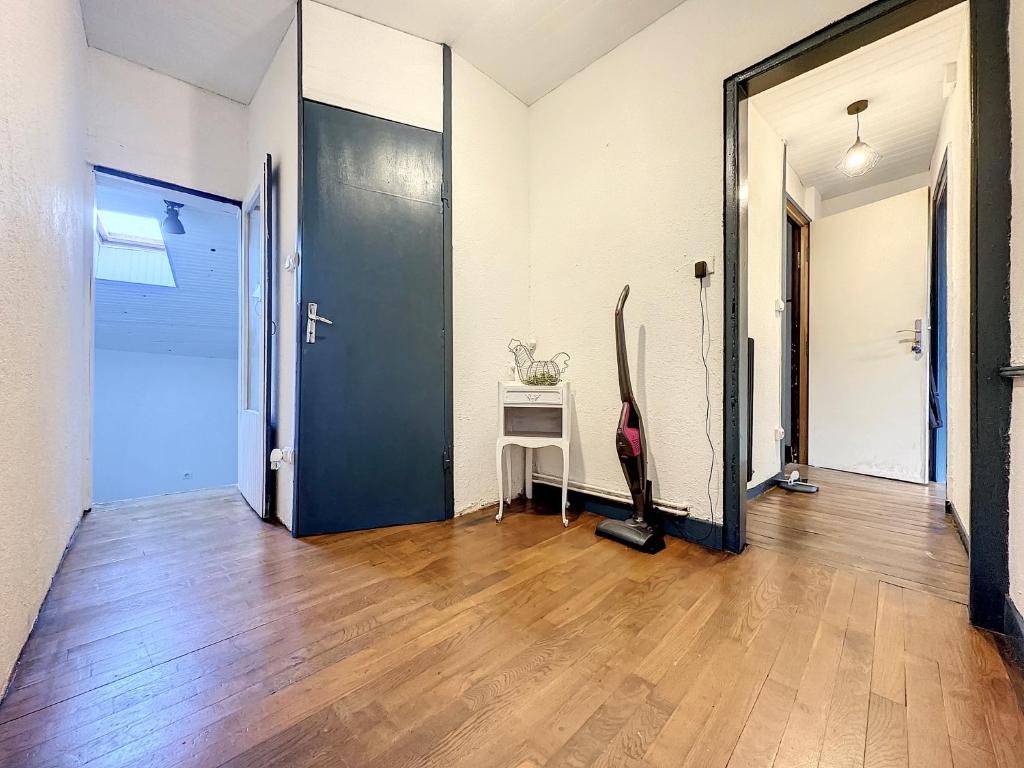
(311,320)
(918,330)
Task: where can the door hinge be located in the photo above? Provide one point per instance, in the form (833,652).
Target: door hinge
(446,459)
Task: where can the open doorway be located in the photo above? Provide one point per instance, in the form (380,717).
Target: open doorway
(847,306)
(796,333)
(165,357)
(938,351)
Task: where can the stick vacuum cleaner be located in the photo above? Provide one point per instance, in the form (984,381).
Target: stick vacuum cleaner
(638,531)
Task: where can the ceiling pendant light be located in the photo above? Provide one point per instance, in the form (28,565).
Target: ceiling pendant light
(172,223)
(860,157)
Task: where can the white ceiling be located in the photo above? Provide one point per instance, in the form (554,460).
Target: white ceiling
(528,46)
(200,316)
(902,77)
(225,46)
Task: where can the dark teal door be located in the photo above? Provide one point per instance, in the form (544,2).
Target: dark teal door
(371,416)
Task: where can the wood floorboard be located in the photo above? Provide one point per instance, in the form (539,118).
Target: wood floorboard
(900,531)
(182,631)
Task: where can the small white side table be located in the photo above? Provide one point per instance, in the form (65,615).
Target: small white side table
(532,417)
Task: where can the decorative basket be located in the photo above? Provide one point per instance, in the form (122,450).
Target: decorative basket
(543,373)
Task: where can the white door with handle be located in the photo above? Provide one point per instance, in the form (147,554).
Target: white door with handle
(868,360)
(254,423)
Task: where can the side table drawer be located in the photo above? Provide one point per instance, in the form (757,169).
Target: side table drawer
(538,397)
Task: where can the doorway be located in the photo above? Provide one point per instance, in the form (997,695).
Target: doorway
(987,332)
(374,367)
(165,351)
(937,347)
(796,334)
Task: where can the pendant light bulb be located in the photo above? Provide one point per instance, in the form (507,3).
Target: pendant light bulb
(860,157)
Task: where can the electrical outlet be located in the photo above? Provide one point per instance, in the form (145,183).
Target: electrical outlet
(780,433)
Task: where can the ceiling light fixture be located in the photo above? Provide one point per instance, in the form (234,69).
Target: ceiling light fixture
(172,223)
(860,157)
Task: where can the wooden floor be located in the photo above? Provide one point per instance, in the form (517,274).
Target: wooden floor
(183,631)
(899,531)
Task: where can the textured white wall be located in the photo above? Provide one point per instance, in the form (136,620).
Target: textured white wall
(158,418)
(147,123)
(360,65)
(1017,306)
(868,398)
(955,139)
(44,284)
(766,216)
(626,168)
(273,127)
(490,264)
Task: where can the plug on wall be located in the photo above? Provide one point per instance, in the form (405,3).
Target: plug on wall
(700,270)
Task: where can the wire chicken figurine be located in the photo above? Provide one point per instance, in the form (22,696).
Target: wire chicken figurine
(538,372)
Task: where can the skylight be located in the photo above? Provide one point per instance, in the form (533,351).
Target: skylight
(127,229)
(131,250)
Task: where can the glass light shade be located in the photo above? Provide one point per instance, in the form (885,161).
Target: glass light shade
(858,159)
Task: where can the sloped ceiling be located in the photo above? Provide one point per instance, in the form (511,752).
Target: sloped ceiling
(225,46)
(200,316)
(529,46)
(902,77)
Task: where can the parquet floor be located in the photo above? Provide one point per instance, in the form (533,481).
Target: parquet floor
(898,530)
(184,632)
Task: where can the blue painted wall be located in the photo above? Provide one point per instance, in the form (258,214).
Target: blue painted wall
(158,419)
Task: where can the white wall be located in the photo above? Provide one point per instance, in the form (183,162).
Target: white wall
(766,216)
(158,418)
(490,265)
(808,198)
(868,394)
(1017,306)
(626,169)
(360,65)
(150,124)
(955,140)
(44,283)
(273,128)
(833,205)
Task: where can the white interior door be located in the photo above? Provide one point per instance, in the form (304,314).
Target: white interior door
(255,317)
(868,409)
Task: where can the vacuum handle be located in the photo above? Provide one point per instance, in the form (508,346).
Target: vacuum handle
(625,386)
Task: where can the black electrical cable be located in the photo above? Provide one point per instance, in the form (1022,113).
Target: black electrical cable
(705,331)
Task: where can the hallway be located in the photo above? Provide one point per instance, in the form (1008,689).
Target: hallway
(182,631)
(898,532)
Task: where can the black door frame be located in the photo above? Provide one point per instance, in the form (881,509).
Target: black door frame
(446,246)
(939,193)
(990,268)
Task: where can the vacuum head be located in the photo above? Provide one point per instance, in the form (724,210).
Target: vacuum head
(633,533)
(794,484)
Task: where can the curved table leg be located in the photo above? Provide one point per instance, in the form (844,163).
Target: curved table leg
(565,486)
(501,485)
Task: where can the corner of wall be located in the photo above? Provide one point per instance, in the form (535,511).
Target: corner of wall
(43,199)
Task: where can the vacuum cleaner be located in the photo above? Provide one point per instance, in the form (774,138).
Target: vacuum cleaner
(793,483)
(641,530)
